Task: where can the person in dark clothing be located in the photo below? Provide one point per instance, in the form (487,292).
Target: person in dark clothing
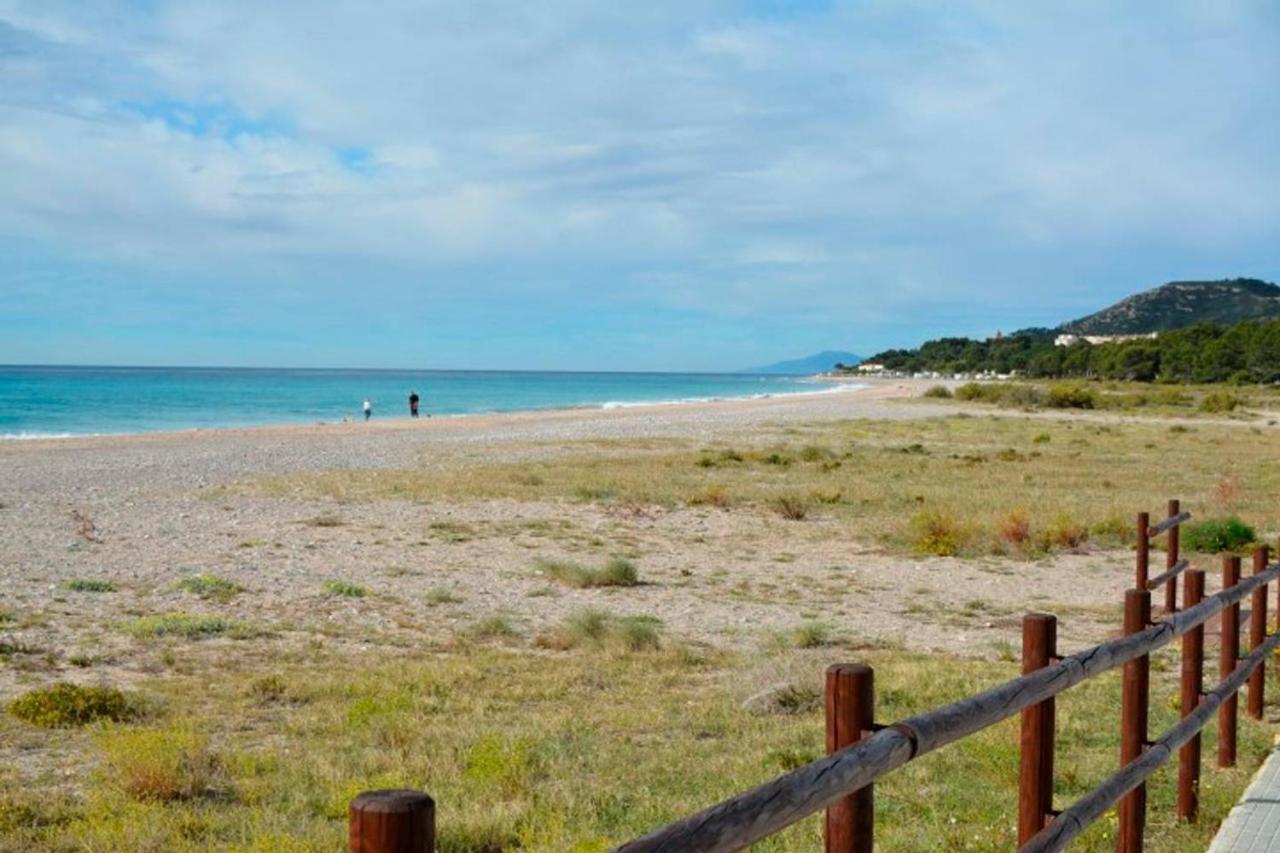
(413,403)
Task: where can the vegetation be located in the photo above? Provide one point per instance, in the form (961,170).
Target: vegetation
(1248,352)
(186,626)
(616,572)
(345,589)
(1182,303)
(592,627)
(89,585)
(63,706)
(210,586)
(554,753)
(1216,535)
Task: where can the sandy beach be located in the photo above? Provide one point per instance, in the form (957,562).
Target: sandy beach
(144,512)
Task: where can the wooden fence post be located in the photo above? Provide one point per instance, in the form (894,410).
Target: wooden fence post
(1258,635)
(1228,656)
(392,821)
(1035,774)
(1172,553)
(851,699)
(1133,721)
(1192,686)
(1143,550)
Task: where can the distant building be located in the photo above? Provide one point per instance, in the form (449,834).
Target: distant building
(1070,340)
(871,367)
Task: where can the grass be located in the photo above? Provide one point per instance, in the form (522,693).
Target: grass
(186,626)
(345,589)
(1216,535)
(439,595)
(593,627)
(616,572)
(89,585)
(211,587)
(1078,469)
(552,752)
(64,706)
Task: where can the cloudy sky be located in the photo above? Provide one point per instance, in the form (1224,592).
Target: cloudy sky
(570,184)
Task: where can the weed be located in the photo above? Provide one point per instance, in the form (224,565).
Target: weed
(268,688)
(210,586)
(779,459)
(1042,438)
(325,520)
(161,764)
(593,627)
(186,626)
(1219,402)
(1014,527)
(1071,397)
(491,628)
(1065,532)
(791,507)
(716,496)
(89,585)
(1217,535)
(451,531)
(439,595)
(940,392)
(938,533)
(64,706)
(810,635)
(616,572)
(345,589)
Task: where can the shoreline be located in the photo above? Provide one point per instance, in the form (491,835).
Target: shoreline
(865,389)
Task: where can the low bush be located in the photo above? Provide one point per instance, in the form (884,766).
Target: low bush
(1071,397)
(810,635)
(185,625)
(491,628)
(616,572)
(210,586)
(88,585)
(1065,532)
(345,589)
(790,507)
(1020,395)
(592,627)
(1219,402)
(939,392)
(64,706)
(162,765)
(1014,527)
(938,533)
(439,595)
(1217,535)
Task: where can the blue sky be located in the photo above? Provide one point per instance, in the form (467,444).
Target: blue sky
(571,184)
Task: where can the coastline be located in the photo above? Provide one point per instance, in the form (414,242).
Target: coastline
(863,389)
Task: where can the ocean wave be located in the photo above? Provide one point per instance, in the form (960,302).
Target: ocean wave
(829,389)
(40,436)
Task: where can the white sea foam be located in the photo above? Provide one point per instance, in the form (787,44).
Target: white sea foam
(829,389)
(38,436)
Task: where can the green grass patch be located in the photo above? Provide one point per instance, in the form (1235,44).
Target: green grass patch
(89,585)
(616,572)
(187,626)
(64,706)
(1217,535)
(345,589)
(210,586)
(594,627)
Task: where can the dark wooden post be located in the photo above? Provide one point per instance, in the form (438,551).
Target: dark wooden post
(851,709)
(1035,774)
(1144,550)
(1172,549)
(1258,635)
(392,821)
(1133,722)
(1228,655)
(1192,685)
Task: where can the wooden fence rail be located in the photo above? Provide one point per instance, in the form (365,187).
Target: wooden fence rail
(860,751)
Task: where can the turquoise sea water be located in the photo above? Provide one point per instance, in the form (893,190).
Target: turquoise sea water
(64,401)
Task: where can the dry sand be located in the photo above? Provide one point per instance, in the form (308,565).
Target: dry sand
(143,513)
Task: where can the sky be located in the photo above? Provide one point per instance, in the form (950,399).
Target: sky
(690,185)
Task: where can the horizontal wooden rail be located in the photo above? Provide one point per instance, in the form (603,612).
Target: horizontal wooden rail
(775,805)
(1089,808)
(1174,570)
(1168,523)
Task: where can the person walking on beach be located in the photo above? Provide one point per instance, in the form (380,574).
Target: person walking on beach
(368,410)
(413,403)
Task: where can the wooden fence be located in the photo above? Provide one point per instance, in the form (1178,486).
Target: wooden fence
(860,751)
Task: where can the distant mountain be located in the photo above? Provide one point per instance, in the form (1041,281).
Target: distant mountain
(818,363)
(1183,303)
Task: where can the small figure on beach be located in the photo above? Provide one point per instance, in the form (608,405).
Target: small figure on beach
(413,403)
(368,410)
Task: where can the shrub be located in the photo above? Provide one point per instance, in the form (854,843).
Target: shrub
(938,533)
(1216,535)
(210,586)
(1071,397)
(810,635)
(940,392)
(715,496)
(268,688)
(1042,438)
(777,459)
(790,507)
(162,764)
(1014,527)
(813,453)
(1065,532)
(325,521)
(64,706)
(440,595)
(599,628)
(616,572)
(345,589)
(970,391)
(85,585)
(491,628)
(1219,402)
(184,625)
(1021,395)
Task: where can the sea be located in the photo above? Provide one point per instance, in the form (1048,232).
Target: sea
(50,402)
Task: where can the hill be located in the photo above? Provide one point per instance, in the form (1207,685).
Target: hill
(1183,303)
(817,363)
